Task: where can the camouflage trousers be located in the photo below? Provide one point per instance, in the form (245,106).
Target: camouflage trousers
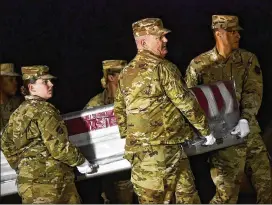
(34,193)
(228,166)
(258,169)
(124,192)
(117,188)
(161,172)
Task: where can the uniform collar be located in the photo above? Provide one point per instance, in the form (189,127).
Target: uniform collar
(235,56)
(34,97)
(149,54)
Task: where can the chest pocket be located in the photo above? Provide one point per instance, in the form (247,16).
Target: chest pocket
(212,73)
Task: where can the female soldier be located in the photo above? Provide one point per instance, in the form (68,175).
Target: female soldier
(35,143)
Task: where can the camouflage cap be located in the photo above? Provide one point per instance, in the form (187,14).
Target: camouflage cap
(7,69)
(36,72)
(149,26)
(111,66)
(226,22)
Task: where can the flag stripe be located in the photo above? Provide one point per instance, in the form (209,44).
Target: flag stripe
(230,86)
(228,99)
(213,109)
(218,97)
(202,100)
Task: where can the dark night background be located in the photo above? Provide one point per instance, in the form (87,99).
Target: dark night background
(72,37)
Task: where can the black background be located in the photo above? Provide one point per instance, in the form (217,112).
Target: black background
(72,37)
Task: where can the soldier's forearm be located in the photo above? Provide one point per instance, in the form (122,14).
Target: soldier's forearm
(250,105)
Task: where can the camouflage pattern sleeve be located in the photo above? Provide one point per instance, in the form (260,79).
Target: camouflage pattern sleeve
(191,76)
(120,112)
(252,92)
(8,147)
(88,105)
(55,137)
(95,101)
(182,98)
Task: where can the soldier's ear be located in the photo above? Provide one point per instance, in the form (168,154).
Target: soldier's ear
(31,88)
(217,34)
(143,42)
(110,78)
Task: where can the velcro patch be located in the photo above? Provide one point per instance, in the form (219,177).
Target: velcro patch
(257,70)
(60,130)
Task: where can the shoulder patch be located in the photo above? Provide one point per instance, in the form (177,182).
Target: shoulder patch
(257,70)
(60,130)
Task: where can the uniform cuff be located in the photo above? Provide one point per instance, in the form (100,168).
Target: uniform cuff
(246,116)
(205,132)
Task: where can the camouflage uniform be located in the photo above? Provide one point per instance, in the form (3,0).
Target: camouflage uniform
(6,109)
(35,143)
(105,98)
(151,107)
(98,100)
(242,67)
(123,190)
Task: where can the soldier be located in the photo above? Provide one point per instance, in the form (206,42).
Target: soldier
(226,61)
(111,70)
(151,107)
(8,87)
(35,143)
(123,189)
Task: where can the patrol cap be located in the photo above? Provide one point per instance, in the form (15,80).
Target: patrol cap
(7,69)
(36,72)
(227,22)
(149,26)
(113,65)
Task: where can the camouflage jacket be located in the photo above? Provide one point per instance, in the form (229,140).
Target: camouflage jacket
(152,103)
(35,143)
(7,109)
(99,100)
(242,67)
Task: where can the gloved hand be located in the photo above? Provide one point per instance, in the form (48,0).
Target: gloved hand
(210,140)
(85,168)
(242,128)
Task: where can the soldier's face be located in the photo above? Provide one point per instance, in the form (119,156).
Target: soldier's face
(157,45)
(42,88)
(231,39)
(115,78)
(8,85)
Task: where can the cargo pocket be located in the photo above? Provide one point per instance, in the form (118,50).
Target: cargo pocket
(25,192)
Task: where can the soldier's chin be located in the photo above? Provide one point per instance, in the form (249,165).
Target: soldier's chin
(164,52)
(50,94)
(235,46)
